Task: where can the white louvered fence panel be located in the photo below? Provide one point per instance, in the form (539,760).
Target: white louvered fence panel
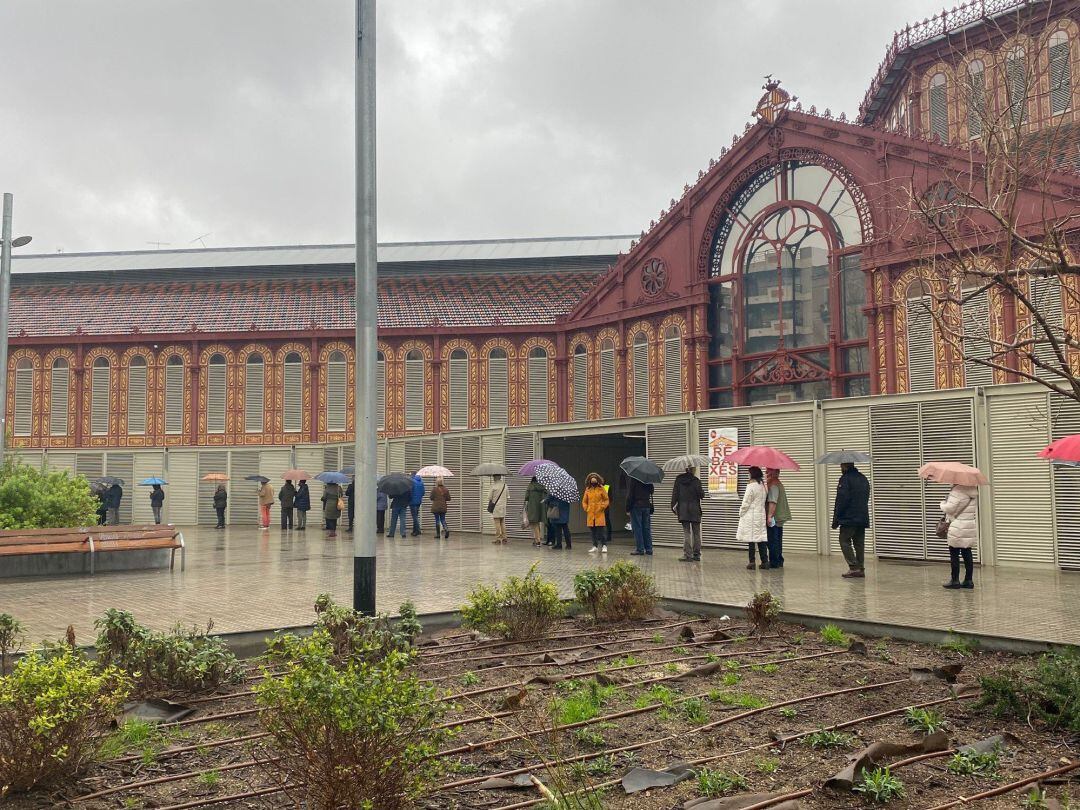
(292,398)
(581,387)
(243,495)
(720,516)
(429,452)
(136,394)
(665,441)
(673,375)
(60,461)
(380,458)
(122,465)
(310,459)
(336,396)
(459,393)
(498,392)
(100,382)
(23,417)
(147,465)
(491,449)
(469,505)
(174,400)
(215,397)
(217,461)
(898,509)
(181,497)
(947,435)
(538,390)
(520,448)
(91,465)
(1066,422)
(793,433)
(1019,430)
(920,340)
(397,457)
(847,429)
(59,380)
(452,461)
(641,378)
(607,383)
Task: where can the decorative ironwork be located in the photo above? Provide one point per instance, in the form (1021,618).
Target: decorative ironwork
(941,203)
(654,277)
(775,101)
(785,368)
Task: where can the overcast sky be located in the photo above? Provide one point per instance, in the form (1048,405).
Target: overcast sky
(126,122)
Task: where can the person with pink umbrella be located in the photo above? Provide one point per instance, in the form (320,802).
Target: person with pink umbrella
(960,525)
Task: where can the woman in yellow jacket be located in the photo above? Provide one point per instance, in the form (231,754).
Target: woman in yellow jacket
(594,502)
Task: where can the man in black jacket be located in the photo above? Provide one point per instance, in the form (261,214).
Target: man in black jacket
(851,515)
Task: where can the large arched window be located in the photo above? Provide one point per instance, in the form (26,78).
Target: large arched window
(459,390)
(1016,85)
(23,417)
(939,107)
(639,359)
(100,397)
(786,289)
(607,379)
(581,384)
(136,396)
(498,384)
(1060,73)
(292,400)
(414,390)
(174,395)
(216,380)
(976,100)
(537,370)
(673,377)
(254,393)
(59,389)
(337,382)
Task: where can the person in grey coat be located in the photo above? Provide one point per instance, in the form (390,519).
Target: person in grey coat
(686,497)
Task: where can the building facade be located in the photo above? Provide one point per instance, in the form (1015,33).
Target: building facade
(786,271)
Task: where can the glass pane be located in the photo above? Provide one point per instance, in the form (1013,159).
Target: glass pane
(720,375)
(720,320)
(855,360)
(857,387)
(721,399)
(853,298)
(764,394)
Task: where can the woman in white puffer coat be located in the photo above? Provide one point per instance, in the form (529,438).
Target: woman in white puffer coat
(751,528)
(961,510)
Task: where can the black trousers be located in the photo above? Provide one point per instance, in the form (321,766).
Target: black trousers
(762,550)
(954,563)
(286,517)
(220,516)
(560,531)
(380,521)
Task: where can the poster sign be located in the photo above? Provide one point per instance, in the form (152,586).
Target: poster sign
(723,474)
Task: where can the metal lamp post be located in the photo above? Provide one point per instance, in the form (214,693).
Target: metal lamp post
(6,245)
(366,312)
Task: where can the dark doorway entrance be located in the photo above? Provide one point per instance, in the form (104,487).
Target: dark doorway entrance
(598,453)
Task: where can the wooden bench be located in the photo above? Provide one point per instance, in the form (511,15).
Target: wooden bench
(93,540)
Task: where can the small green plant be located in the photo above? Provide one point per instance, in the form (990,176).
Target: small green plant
(584,704)
(712,782)
(591,736)
(762,610)
(834,636)
(671,667)
(878,786)
(132,802)
(767,765)
(621,592)
(973,763)
(470,678)
(408,624)
(927,721)
(1050,693)
(961,645)
(519,608)
(601,766)
(147,737)
(53,710)
(625,661)
(730,678)
(788,713)
(825,739)
(209,779)
(680,650)
(657,638)
(10,639)
(743,700)
(657,694)
(693,710)
(1035,799)
(765,669)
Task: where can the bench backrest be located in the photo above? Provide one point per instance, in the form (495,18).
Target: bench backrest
(44,537)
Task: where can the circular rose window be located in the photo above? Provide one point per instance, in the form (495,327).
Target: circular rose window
(654,277)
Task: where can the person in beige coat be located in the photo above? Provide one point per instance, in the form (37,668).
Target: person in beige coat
(752,519)
(266,500)
(497,508)
(961,509)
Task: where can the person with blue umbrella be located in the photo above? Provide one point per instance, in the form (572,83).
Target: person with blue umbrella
(157,495)
(332,499)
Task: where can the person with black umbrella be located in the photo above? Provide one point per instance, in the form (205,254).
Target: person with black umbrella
(113,496)
(287,497)
(398,487)
(639,500)
(686,497)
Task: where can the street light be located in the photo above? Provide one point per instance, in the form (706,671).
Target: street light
(6,244)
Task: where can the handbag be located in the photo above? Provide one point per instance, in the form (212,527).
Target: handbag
(942,528)
(493,501)
(525,518)
(553,513)
(341,504)
(491,507)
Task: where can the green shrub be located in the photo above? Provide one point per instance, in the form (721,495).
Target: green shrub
(357,732)
(1051,692)
(621,592)
(180,660)
(10,639)
(52,715)
(762,611)
(354,634)
(33,499)
(879,786)
(519,608)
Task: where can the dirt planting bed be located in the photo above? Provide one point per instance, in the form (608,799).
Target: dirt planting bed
(743,715)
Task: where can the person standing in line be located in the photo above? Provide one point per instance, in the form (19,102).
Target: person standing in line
(113,496)
(381,502)
(440,497)
(752,520)
(962,512)
(302,503)
(851,515)
(157,500)
(266,500)
(686,497)
(777,513)
(595,504)
(534,508)
(102,506)
(350,493)
(399,505)
(639,505)
(415,503)
(221,500)
(607,516)
(331,501)
(287,497)
(497,508)
(559,518)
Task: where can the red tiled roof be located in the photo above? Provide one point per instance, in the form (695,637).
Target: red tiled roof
(293,304)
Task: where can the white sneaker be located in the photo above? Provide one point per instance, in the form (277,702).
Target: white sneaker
(592,550)
(603,549)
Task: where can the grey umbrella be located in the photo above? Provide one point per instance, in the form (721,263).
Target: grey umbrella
(845,457)
(641,469)
(490,468)
(682,463)
(395,484)
(109,480)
